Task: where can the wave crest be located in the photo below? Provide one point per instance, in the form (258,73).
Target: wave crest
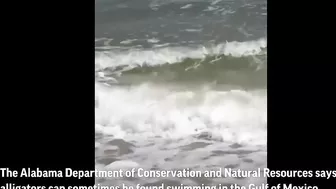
(171,55)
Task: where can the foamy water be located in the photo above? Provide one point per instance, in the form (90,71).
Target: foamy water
(158,127)
(180,84)
(168,113)
(171,55)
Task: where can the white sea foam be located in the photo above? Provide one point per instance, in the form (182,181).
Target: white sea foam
(186,6)
(176,54)
(153,40)
(179,126)
(149,111)
(128,41)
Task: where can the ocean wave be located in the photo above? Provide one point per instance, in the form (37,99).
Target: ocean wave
(146,111)
(171,55)
(241,64)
